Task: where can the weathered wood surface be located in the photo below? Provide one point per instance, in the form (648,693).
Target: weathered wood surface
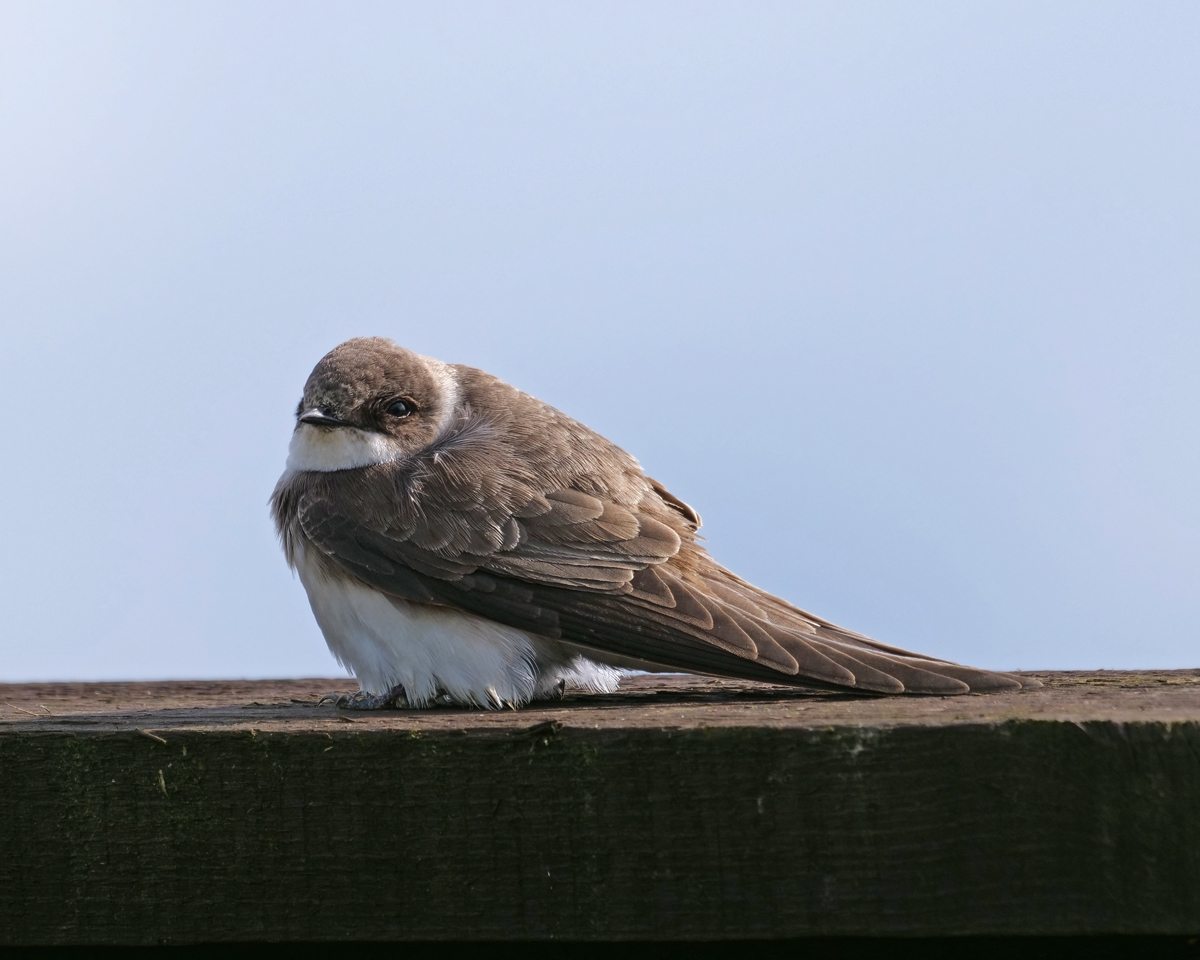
(678,808)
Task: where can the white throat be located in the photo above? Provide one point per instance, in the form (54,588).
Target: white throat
(341,448)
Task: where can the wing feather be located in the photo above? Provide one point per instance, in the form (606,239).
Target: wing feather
(622,577)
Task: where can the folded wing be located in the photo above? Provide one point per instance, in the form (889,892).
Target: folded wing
(626,579)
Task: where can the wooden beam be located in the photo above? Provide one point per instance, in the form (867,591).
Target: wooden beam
(680,808)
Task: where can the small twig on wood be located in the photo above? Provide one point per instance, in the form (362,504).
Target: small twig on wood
(152,736)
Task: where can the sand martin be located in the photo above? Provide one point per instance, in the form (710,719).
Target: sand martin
(462,542)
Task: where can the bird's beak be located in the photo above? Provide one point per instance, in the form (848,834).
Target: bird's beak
(320,418)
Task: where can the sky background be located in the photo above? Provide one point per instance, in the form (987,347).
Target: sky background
(904,298)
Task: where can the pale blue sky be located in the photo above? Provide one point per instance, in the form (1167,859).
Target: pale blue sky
(903,297)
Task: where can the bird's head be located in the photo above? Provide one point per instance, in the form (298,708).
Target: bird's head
(370,401)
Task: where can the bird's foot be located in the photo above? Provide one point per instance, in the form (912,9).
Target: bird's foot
(395,698)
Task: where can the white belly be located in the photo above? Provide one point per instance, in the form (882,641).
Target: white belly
(439,651)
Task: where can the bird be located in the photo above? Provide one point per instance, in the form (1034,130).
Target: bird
(463,543)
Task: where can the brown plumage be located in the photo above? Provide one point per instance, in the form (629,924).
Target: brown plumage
(443,488)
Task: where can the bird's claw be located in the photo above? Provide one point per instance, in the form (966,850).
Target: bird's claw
(361,700)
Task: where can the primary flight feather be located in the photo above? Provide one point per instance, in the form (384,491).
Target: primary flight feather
(462,542)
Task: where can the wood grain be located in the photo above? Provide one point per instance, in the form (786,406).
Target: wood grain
(680,808)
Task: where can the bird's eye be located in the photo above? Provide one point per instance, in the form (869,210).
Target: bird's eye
(400,408)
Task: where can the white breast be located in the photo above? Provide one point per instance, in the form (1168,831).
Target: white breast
(434,651)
